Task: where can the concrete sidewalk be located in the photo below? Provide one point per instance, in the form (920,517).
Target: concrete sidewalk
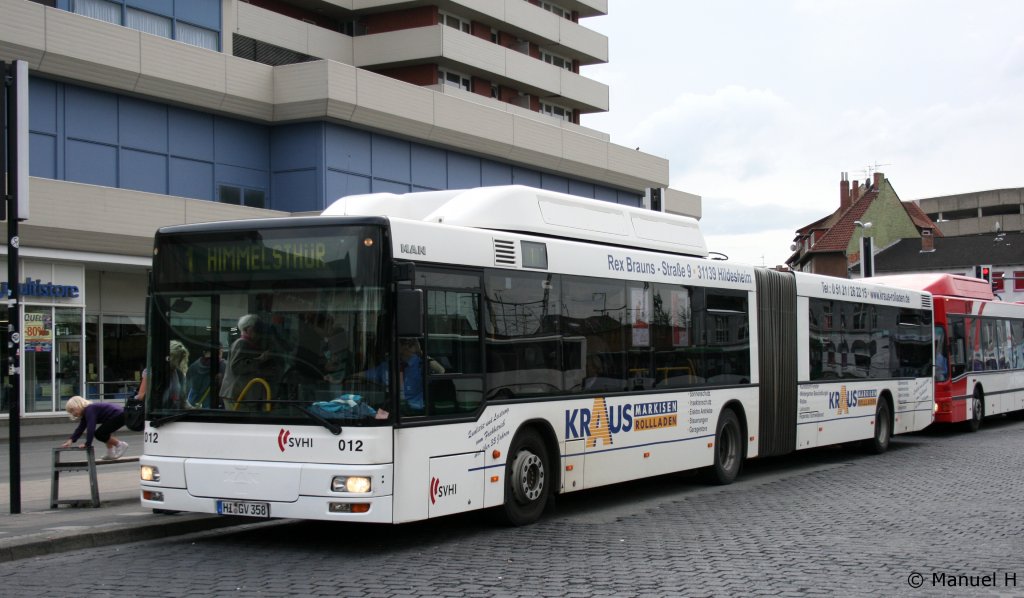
(39,530)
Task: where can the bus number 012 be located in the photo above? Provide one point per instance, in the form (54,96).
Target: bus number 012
(355,446)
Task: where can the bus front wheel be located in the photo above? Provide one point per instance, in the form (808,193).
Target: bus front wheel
(977,411)
(527,480)
(729,449)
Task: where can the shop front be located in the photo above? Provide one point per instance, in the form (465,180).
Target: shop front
(83,333)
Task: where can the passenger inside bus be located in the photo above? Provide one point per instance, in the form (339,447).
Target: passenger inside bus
(177,356)
(941,363)
(246,360)
(199,379)
(411,374)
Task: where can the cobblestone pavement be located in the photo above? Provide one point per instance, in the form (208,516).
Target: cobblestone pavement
(829,522)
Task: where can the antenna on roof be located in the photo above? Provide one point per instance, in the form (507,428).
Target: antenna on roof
(871,169)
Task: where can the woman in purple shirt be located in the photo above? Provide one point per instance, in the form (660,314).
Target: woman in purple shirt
(97,420)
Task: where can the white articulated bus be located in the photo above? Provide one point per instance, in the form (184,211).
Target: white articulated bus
(402,357)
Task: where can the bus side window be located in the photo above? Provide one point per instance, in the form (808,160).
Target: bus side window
(958,342)
(454,372)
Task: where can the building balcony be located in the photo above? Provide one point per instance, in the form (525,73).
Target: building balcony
(474,56)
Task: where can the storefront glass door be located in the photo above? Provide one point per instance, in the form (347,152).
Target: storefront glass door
(68,353)
(38,358)
(52,357)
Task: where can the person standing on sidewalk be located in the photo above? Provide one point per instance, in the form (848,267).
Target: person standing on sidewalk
(97,420)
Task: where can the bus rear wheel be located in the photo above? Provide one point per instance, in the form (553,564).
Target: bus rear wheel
(879,442)
(977,412)
(527,480)
(729,449)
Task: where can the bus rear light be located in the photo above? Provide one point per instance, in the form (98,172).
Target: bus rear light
(349,507)
(153,495)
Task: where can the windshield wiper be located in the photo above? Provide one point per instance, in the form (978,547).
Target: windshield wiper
(156,423)
(331,426)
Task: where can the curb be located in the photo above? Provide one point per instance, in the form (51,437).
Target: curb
(56,543)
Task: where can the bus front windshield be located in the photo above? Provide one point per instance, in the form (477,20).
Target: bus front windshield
(275,324)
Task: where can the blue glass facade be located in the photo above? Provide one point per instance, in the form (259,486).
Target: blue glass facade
(88,136)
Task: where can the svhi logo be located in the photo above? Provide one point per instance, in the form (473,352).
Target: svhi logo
(285,440)
(440,491)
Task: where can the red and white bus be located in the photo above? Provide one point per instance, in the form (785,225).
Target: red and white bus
(979,353)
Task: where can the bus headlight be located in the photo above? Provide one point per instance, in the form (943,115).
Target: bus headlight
(350,483)
(149,473)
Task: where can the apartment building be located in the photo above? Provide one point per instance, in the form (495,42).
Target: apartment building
(978,229)
(146,113)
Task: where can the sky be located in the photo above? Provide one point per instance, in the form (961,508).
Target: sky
(760,105)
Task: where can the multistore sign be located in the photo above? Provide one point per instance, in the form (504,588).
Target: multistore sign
(37,288)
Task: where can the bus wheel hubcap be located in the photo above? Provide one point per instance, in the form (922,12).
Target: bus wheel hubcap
(528,476)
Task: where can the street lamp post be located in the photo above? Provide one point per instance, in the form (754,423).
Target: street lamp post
(867,254)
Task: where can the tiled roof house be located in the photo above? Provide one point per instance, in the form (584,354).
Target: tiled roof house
(831,245)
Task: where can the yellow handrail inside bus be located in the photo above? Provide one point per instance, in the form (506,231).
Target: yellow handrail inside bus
(241,395)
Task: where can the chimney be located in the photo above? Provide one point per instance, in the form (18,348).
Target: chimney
(879,177)
(844,192)
(855,192)
(927,241)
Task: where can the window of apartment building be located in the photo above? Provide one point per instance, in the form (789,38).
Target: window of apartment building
(454,21)
(556,60)
(242,196)
(102,10)
(556,111)
(453,79)
(147,22)
(196,36)
(556,9)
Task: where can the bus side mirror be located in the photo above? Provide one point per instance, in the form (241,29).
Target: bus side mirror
(410,312)
(403,271)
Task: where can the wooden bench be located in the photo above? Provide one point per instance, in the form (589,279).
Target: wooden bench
(89,465)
